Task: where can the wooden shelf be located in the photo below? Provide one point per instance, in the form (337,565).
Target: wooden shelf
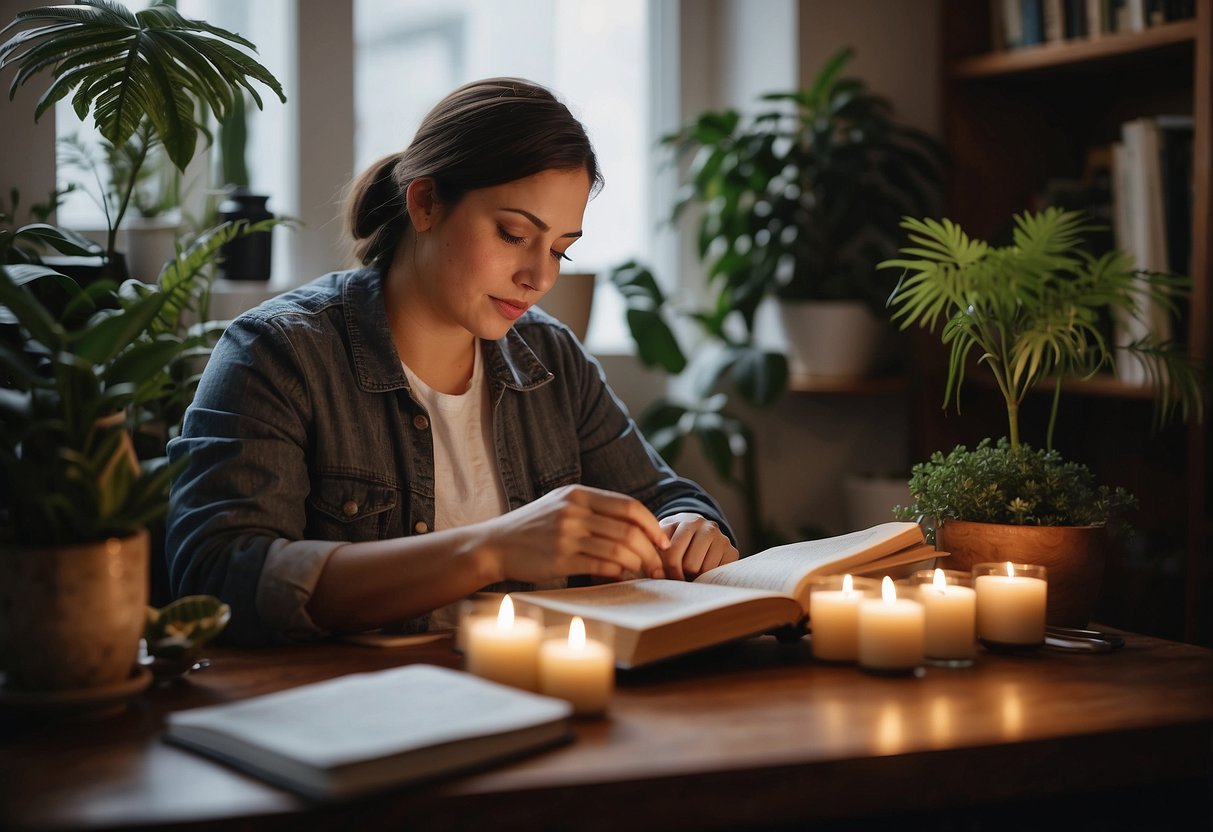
(1059,54)
(836,386)
(1016,120)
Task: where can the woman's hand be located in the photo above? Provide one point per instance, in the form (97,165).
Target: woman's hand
(696,545)
(578,530)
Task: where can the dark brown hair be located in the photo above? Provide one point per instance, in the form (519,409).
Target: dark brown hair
(483,134)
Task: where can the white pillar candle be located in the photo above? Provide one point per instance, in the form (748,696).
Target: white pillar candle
(506,648)
(578,669)
(1011,606)
(891,631)
(834,622)
(950,619)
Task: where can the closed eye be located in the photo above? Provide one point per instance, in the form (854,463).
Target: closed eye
(520,241)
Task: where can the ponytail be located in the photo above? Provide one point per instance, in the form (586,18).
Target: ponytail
(375,211)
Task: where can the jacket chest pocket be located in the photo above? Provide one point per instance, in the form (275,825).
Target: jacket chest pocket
(350,509)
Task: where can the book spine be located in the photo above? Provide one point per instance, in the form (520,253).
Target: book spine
(1032,15)
(1054,17)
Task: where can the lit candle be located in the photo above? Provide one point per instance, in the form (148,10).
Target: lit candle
(577,669)
(834,622)
(506,648)
(1010,604)
(891,631)
(950,619)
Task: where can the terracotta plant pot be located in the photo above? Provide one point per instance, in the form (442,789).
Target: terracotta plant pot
(1073,555)
(71,616)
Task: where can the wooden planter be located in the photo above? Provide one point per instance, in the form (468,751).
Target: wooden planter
(71,616)
(1073,555)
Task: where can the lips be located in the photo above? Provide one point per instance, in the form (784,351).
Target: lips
(511,309)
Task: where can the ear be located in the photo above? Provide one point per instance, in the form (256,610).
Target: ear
(422,202)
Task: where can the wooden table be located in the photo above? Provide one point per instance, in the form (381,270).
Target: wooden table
(750,735)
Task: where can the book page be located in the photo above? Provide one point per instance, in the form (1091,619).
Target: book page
(640,604)
(782,569)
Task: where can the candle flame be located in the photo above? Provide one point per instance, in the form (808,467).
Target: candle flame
(505,616)
(848,584)
(888,592)
(577,633)
(1010,569)
(938,580)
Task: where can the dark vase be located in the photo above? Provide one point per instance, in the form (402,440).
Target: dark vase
(247,257)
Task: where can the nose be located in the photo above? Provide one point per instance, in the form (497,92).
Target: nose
(540,274)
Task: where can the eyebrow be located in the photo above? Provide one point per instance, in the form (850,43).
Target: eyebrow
(538,223)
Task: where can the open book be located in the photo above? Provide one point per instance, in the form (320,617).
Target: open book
(367,731)
(769,590)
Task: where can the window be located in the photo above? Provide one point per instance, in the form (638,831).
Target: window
(594,54)
(268,24)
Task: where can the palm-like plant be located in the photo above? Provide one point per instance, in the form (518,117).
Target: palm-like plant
(153,75)
(1033,309)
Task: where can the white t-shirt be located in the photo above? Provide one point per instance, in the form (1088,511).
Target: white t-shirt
(467,483)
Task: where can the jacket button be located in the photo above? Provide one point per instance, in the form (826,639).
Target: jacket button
(349,508)
(420,422)
(421,527)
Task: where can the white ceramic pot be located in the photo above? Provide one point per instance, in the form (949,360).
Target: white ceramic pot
(835,339)
(71,616)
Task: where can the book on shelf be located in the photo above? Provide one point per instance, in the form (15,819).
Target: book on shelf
(1151,219)
(368,731)
(656,619)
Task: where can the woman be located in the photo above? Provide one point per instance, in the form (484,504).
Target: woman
(378,444)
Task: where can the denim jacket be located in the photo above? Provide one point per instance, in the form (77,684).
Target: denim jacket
(303,435)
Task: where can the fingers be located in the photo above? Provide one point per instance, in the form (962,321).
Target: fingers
(621,529)
(622,507)
(697,545)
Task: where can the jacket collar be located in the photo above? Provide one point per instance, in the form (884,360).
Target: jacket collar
(509,362)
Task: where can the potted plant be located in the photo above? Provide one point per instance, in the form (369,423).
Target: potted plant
(801,201)
(86,368)
(151,79)
(1033,312)
(725,359)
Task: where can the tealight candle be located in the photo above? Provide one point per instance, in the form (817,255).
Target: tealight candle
(834,617)
(890,632)
(1011,601)
(949,617)
(578,669)
(504,649)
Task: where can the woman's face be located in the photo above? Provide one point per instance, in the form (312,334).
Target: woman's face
(483,262)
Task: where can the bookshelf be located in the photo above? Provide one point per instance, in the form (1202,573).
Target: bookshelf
(1014,120)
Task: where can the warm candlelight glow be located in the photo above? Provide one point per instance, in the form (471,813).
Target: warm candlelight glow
(577,633)
(505,616)
(938,580)
(888,592)
(579,666)
(848,585)
(1010,570)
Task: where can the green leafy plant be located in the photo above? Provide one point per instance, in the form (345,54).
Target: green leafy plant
(1032,311)
(84,370)
(720,360)
(150,78)
(995,483)
(803,199)
(90,373)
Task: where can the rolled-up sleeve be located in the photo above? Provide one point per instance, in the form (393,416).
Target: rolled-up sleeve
(238,505)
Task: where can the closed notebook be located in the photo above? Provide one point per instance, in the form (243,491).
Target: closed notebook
(369,731)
